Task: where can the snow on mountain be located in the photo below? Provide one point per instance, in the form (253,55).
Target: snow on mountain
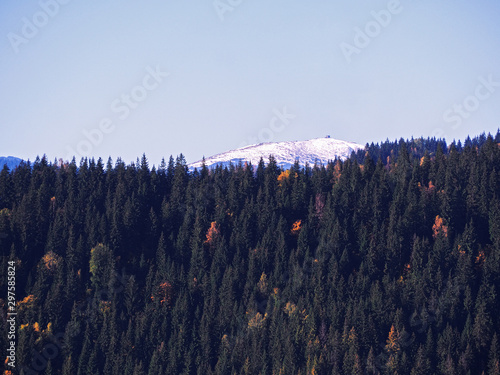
(319,150)
(11,161)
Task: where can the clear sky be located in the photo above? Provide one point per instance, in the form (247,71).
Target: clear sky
(202,77)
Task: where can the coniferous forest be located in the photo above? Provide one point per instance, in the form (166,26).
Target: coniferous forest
(385,263)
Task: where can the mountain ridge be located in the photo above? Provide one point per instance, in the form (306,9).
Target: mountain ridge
(11,162)
(316,150)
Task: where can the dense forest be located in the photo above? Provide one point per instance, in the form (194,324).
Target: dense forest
(385,263)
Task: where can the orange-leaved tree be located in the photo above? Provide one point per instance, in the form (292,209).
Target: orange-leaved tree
(51,261)
(296,227)
(439,227)
(212,233)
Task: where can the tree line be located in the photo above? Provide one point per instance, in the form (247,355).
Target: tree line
(385,263)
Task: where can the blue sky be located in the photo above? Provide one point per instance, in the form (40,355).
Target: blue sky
(122,78)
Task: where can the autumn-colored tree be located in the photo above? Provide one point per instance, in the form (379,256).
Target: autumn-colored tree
(283,176)
(290,308)
(27,302)
(337,171)
(439,227)
(51,261)
(257,321)
(393,345)
(296,226)
(212,233)
(480,258)
(262,284)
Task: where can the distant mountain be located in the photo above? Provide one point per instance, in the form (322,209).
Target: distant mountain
(318,150)
(11,161)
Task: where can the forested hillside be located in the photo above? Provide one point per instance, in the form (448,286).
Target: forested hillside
(386,263)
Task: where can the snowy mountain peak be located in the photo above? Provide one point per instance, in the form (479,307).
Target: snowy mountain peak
(318,150)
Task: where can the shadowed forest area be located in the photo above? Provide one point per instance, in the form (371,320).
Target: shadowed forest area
(386,263)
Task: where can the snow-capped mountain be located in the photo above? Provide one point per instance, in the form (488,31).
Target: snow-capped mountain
(318,150)
(11,161)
